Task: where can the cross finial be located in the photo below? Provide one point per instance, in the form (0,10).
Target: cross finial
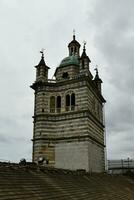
(42,52)
(84,44)
(73,31)
(73,34)
(96,69)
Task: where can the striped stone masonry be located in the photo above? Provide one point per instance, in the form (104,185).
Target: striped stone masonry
(68,116)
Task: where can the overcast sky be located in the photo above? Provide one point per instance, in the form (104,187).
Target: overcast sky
(26,26)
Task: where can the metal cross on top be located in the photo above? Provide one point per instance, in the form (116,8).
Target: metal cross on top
(84,43)
(42,52)
(96,69)
(73,34)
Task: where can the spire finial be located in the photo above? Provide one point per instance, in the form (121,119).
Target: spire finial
(97,73)
(84,45)
(42,52)
(96,69)
(73,34)
(97,78)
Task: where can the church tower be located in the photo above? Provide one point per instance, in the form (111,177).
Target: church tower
(68,114)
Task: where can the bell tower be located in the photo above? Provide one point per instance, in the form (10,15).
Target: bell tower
(68,120)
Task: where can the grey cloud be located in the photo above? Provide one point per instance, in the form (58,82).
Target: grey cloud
(113,31)
(108,28)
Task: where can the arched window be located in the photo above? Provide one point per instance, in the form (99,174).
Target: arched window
(67,102)
(72,101)
(83,64)
(38,71)
(72,50)
(52,104)
(58,104)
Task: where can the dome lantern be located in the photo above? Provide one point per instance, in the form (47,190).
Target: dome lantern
(74,47)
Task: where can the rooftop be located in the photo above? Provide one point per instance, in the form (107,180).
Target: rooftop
(70,60)
(34,182)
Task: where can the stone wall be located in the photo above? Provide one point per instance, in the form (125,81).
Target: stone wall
(42,98)
(72,155)
(71,70)
(54,132)
(45,150)
(96,157)
(46,131)
(85,98)
(80,155)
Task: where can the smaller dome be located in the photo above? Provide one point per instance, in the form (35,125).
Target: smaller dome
(74,42)
(70,60)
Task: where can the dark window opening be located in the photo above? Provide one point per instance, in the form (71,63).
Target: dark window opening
(38,72)
(72,101)
(42,109)
(83,63)
(58,104)
(67,102)
(72,50)
(75,49)
(65,75)
(52,104)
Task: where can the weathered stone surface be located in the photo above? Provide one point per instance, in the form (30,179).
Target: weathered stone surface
(79,155)
(75,131)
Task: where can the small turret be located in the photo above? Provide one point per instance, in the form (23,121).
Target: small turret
(42,69)
(74,47)
(84,63)
(84,59)
(97,80)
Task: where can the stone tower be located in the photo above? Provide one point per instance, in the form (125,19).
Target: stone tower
(68,114)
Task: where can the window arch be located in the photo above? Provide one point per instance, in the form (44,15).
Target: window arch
(70,101)
(58,104)
(52,104)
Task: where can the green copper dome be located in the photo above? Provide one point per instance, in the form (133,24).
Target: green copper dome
(70,60)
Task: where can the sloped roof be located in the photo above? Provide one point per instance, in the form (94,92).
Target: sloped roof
(74,42)
(40,183)
(42,63)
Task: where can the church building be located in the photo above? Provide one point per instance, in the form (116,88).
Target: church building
(68,116)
